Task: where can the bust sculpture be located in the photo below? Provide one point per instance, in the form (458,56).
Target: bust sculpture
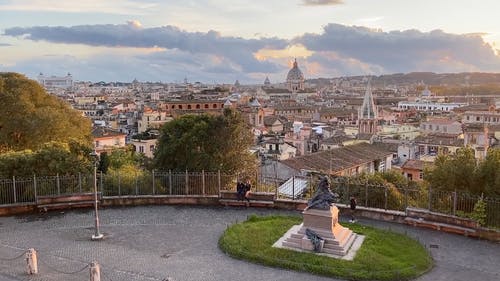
(323,198)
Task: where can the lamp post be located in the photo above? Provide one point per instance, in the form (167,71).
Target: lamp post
(97,235)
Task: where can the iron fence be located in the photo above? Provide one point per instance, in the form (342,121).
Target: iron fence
(25,190)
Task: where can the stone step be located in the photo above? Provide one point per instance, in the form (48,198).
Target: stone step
(440,226)
(252,203)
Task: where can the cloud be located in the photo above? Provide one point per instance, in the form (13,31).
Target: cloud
(122,7)
(168,53)
(237,50)
(5,44)
(404,51)
(322,2)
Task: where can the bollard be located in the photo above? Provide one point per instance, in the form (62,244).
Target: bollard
(95,272)
(31,262)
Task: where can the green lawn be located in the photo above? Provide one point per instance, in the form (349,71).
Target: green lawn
(384,255)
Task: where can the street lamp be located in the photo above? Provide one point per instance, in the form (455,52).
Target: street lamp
(97,235)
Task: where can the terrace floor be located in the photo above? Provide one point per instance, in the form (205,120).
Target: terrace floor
(180,242)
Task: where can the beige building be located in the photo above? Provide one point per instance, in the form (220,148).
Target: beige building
(146,147)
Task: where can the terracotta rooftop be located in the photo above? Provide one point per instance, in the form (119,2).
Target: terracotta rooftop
(103,132)
(338,159)
(414,164)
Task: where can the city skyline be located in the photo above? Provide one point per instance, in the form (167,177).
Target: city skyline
(224,41)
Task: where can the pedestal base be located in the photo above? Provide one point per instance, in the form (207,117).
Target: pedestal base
(337,239)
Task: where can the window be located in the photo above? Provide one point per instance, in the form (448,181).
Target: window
(206,105)
(214,105)
(421,175)
(151,148)
(198,106)
(180,106)
(141,149)
(189,106)
(477,118)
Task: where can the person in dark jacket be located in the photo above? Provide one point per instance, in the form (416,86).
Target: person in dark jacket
(240,191)
(247,187)
(352,205)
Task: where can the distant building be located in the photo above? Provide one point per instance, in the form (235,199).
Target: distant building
(106,139)
(367,115)
(145,146)
(428,106)
(64,82)
(295,79)
(267,83)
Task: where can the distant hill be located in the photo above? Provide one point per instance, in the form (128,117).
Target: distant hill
(428,78)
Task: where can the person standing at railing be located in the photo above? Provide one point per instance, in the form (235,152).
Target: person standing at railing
(352,205)
(240,190)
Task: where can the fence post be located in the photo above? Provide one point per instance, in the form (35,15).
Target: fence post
(58,184)
(347,192)
(101,179)
(95,271)
(366,194)
(218,181)
(14,188)
(429,204)
(34,187)
(203,182)
(119,185)
(170,181)
(136,185)
(153,182)
(187,183)
(454,202)
(80,182)
(385,197)
(406,197)
(31,262)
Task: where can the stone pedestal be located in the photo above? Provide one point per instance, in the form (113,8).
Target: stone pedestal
(337,239)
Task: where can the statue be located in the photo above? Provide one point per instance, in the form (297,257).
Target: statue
(316,240)
(323,198)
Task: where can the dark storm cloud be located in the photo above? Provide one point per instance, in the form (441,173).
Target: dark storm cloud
(322,2)
(238,50)
(403,51)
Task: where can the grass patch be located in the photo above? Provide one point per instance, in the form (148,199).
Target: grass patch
(384,255)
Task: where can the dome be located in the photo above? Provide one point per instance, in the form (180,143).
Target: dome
(295,74)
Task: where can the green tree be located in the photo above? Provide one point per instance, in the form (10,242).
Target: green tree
(454,172)
(488,174)
(30,117)
(52,158)
(206,142)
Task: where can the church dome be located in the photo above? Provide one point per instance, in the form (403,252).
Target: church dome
(295,74)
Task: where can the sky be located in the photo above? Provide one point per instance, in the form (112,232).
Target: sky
(221,41)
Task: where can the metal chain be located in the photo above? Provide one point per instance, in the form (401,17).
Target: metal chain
(15,258)
(63,272)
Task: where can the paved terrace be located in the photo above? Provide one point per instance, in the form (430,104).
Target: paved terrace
(155,242)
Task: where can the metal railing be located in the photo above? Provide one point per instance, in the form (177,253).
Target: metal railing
(25,190)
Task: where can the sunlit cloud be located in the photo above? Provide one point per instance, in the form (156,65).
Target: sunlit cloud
(322,2)
(126,7)
(296,50)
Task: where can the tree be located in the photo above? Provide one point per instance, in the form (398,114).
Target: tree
(52,158)
(488,175)
(30,117)
(454,172)
(206,142)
